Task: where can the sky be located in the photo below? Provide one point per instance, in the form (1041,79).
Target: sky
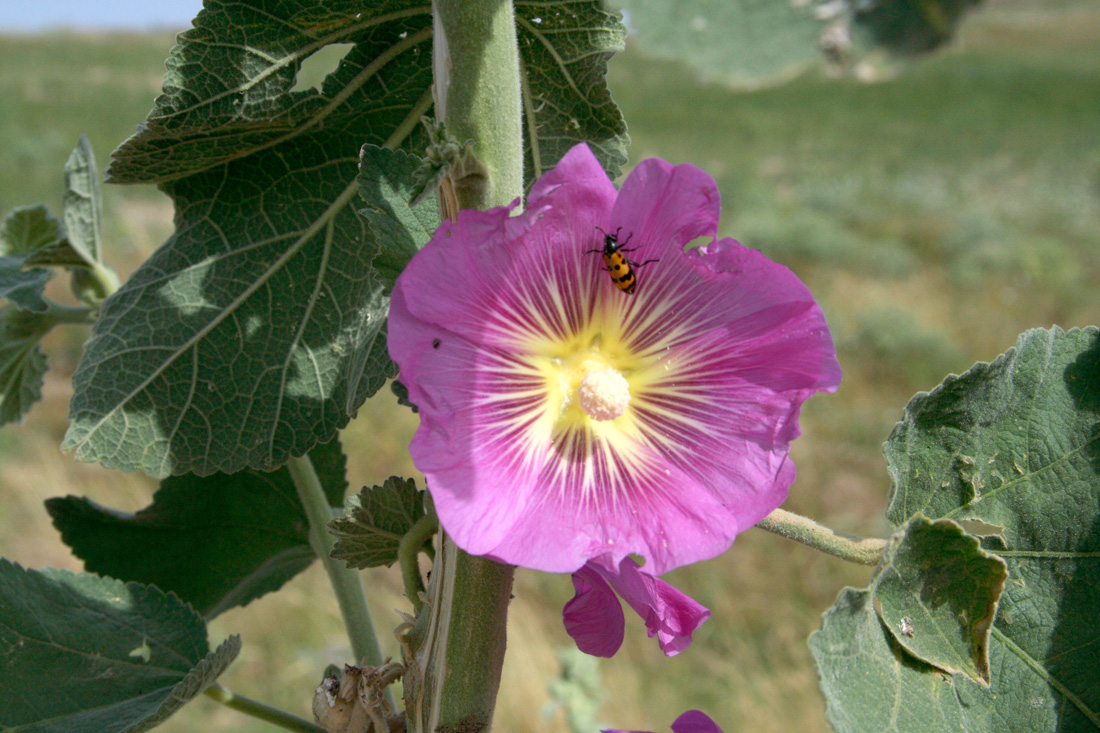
(29,16)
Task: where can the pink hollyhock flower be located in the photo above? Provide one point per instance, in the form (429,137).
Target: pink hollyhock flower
(692,721)
(594,617)
(563,419)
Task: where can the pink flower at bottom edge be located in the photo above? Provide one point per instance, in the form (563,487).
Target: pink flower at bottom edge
(594,616)
(692,721)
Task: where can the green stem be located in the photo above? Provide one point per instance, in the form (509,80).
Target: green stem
(460,660)
(107,278)
(60,313)
(408,553)
(453,681)
(477,91)
(256,709)
(850,547)
(345,582)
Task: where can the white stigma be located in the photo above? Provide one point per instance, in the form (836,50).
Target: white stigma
(603,394)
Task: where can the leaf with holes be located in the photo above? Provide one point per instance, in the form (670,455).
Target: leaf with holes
(85,653)
(257,329)
(1013,445)
(217,541)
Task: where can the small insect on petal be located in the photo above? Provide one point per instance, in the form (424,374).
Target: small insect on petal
(618,266)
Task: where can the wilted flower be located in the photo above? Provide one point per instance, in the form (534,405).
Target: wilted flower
(692,721)
(564,419)
(594,618)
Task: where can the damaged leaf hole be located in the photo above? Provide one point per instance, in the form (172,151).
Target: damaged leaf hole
(318,65)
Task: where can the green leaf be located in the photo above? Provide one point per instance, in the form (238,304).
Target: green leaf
(387,182)
(742,41)
(870,683)
(216,542)
(937,592)
(401,392)
(906,26)
(374,522)
(227,90)
(22,363)
(254,347)
(1015,446)
(751,43)
(1011,443)
(260,320)
(23,232)
(85,653)
(82,205)
(564,47)
(257,329)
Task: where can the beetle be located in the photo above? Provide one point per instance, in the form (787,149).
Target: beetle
(620,268)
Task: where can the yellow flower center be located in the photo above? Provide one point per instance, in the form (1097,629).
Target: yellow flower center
(590,377)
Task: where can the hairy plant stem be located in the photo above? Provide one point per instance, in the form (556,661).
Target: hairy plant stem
(453,680)
(256,709)
(850,547)
(457,671)
(475,59)
(345,582)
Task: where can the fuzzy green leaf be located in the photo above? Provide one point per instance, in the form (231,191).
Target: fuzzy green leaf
(751,43)
(374,522)
(81,653)
(217,542)
(564,47)
(1013,445)
(258,328)
(24,232)
(82,206)
(905,26)
(937,591)
(22,363)
(870,683)
(387,182)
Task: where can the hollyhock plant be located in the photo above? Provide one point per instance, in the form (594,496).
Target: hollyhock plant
(692,721)
(563,419)
(594,617)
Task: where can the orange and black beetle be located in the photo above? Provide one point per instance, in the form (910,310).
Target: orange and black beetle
(620,268)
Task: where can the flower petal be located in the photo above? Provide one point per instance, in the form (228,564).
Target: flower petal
(578,168)
(665,206)
(669,614)
(719,346)
(694,721)
(594,616)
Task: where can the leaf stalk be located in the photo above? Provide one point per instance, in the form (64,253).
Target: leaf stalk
(260,711)
(345,582)
(850,547)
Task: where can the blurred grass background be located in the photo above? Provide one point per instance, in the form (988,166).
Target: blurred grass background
(936,215)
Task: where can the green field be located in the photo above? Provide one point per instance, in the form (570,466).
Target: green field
(936,215)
